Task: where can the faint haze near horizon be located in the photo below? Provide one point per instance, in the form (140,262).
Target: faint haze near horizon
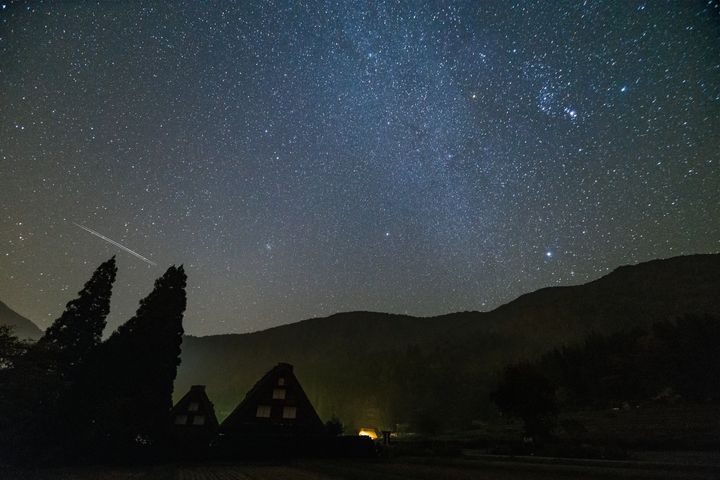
(306,159)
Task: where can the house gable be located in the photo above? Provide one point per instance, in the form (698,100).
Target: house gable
(277,404)
(194,411)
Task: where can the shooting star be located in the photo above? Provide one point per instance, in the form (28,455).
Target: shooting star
(113,242)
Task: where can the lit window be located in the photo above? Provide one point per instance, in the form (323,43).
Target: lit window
(289,412)
(194,407)
(199,420)
(263,411)
(180,419)
(279,394)
(281,381)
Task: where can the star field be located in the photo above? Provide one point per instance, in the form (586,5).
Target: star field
(307,158)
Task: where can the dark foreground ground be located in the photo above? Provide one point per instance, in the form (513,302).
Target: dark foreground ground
(406,468)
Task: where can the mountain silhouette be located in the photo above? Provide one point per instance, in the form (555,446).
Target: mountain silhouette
(22,327)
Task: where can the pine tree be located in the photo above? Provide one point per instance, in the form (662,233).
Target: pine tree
(140,364)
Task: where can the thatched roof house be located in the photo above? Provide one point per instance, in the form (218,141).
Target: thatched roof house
(193,418)
(277,404)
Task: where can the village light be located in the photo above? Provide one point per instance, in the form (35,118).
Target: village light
(368,432)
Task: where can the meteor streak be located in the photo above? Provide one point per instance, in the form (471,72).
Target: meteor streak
(113,242)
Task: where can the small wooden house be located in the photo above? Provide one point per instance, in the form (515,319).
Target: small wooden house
(276,405)
(194,423)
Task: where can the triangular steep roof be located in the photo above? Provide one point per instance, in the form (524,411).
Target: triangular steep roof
(277,404)
(194,409)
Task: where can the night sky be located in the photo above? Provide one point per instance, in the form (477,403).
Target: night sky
(306,158)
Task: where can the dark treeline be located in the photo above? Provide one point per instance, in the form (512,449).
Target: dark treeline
(73,397)
(672,362)
(419,389)
(445,387)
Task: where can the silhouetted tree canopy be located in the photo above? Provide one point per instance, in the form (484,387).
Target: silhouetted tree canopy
(675,361)
(525,393)
(11,348)
(43,380)
(690,352)
(79,329)
(334,426)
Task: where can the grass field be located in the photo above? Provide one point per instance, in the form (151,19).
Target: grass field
(421,469)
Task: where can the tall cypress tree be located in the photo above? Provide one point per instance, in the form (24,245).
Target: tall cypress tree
(140,364)
(79,329)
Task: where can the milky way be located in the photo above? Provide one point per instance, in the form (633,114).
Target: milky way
(306,158)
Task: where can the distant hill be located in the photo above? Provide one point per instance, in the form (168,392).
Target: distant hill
(377,367)
(22,327)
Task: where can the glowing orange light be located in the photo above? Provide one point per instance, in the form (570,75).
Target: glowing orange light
(368,432)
